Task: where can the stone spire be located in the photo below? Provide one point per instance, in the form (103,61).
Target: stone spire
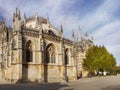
(17,14)
(72,35)
(37,20)
(24,16)
(13,17)
(16,20)
(86,36)
(61,29)
(24,20)
(79,35)
(47,19)
(36,16)
(48,22)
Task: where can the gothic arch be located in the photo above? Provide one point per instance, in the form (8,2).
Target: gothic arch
(66,56)
(50,53)
(29,51)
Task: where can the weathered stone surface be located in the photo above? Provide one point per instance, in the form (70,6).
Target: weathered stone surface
(36,51)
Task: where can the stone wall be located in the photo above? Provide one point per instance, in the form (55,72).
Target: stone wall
(31,72)
(1,74)
(54,73)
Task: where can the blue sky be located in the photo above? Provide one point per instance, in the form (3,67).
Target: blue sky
(100,18)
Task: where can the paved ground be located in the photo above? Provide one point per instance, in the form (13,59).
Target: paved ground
(95,83)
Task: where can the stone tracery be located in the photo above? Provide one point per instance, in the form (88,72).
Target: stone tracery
(29,53)
(50,54)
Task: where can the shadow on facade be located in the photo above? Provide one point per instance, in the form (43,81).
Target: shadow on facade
(24,73)
(45,73)
(112,88)
(44,56)
(24,65)
(44,86)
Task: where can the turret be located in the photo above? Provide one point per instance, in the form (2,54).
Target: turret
(16,20)
(16,15)
(79,35)
(24,20)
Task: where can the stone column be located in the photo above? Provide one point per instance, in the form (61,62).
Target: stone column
(42,59)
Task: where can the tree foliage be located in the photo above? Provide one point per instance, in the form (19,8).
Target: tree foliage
(99,59)
(117,68)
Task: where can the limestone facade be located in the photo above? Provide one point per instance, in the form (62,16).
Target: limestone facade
(35,51)
(82,45)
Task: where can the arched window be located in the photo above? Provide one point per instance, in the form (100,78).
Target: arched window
(50,54)
(66,56)
(29,53)
(51,32)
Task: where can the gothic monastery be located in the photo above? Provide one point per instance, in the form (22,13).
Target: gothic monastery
(33,50)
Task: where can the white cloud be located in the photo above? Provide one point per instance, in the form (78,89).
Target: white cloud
(109,29)
(102,14)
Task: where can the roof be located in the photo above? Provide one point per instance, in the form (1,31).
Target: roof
(33,18)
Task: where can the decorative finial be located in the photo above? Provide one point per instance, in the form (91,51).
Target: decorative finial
(79,34)
(17,12)
(24,16)
(13,17)
(72,33)
(86,36)
(61,28)
(36,15)
(48,20)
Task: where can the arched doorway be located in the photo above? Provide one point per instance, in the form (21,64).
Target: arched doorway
(28,57)
(50,54)
(66,63)
(29,53)
(66,57)
(50,58)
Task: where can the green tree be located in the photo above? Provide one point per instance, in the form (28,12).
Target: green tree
(117,69)
(99,59)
